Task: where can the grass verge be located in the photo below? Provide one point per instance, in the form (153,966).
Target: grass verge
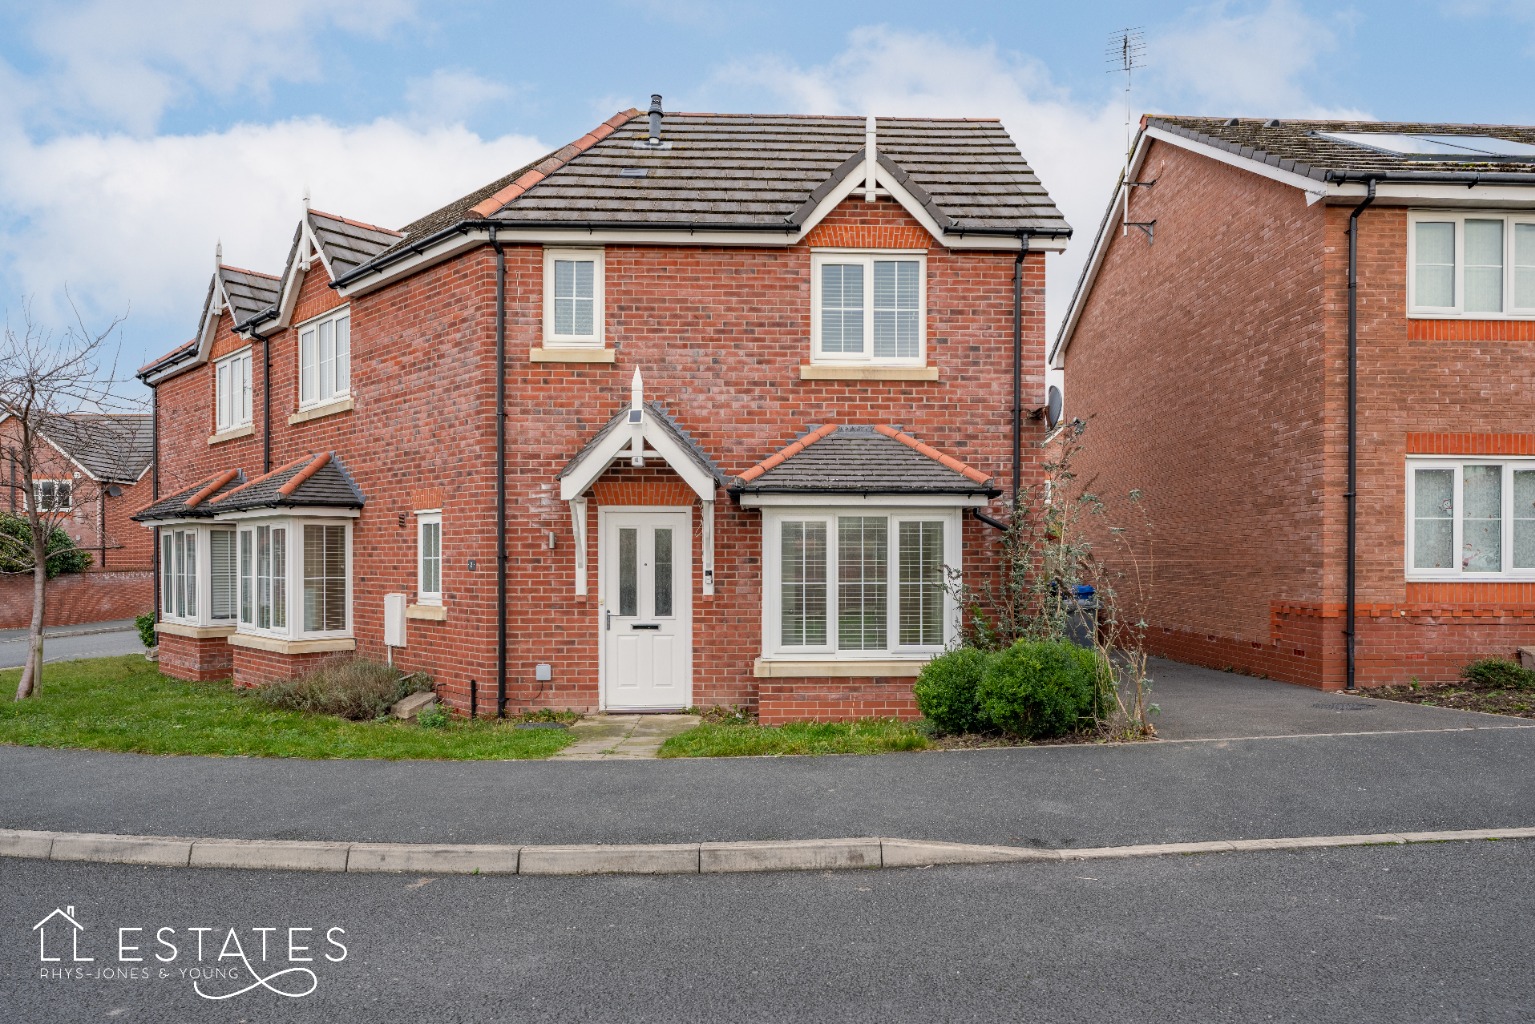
(865,736)
(125,704)
(1490,700)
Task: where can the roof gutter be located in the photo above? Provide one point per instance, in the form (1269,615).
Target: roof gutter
(1351,494)
(1468,178)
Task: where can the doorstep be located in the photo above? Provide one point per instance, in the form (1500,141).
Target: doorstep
(623,737)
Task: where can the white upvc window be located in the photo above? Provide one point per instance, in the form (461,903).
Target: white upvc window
(868,307)
(573,299)
(429,557)
(197,575)
(295,577)
(1470,518)
(1477,264)
(859,583)
(53,495)
(325,359)
(232,391)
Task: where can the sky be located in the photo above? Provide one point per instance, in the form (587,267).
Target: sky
(136,137)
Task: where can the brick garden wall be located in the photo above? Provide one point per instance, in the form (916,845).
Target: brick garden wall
(78,598)
(834,700)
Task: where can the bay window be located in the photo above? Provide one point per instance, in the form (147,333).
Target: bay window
(1470,519)
(197,575)
(232,391)
(320,587)
(859,583)
(869,307)
(325,360)
(1477,264)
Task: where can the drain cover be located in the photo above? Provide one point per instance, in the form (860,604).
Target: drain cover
(1343,705)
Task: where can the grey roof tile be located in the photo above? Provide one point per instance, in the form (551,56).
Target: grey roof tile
(330,487)
(249,291)
(113,447)
(859,460)
(175,506)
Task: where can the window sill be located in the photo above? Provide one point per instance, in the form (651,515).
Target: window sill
(192,632)
(320,411)
(573,355)
(279,646)
(824,371)
(780,668)
(232,433)
(428,612)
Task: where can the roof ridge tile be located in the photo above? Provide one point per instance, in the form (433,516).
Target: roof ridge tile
(554,162)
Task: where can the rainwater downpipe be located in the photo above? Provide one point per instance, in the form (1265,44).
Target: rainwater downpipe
(154,485)
(1351,495)
(1023,248)
(266,405)
(495,243)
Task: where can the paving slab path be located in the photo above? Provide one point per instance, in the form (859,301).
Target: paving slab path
(623,737)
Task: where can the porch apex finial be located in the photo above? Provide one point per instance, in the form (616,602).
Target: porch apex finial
(636,390)
(218,254)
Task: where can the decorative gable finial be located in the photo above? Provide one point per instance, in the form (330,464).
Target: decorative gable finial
(306,198)
(870,159)
(218,254)
(637,391)
(637,420)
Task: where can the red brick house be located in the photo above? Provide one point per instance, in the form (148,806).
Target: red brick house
(1304,341)
(754,377)
(90,480)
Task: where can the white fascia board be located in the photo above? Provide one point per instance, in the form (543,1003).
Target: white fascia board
(285,512)
(1500,196)
(443,251)
(314,244)
(814,503)
(68,457)
(596,462)
(1245,163)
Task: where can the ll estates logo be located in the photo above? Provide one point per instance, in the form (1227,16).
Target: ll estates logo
(220,962)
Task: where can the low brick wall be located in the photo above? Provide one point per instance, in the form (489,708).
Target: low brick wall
(834,700)
(200,660)
(78,598)
(253,667)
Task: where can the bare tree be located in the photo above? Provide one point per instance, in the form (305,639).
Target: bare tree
(46,376)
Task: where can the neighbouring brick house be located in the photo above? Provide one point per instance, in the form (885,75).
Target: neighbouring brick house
(90,481)
(756,371)
(1210,350)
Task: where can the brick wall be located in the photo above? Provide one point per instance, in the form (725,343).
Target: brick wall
(200,659)
(834,700)
(78,598)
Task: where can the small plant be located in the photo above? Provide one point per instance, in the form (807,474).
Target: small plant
(146,626)
(434,717)
(1499,674)
(947,690)
(351,688)
(550,715)
(1043,688)
(725,714)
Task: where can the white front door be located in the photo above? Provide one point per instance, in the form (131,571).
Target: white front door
(647,632)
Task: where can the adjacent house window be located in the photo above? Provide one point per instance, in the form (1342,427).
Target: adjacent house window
(869,307)
(325,359)
(1471,264)
(287,561)
(573,311)
(53,495)
(859,584)
(429,557)
(232,391)
(1470,519)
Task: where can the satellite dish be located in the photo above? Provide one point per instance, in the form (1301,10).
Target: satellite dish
(1053,406)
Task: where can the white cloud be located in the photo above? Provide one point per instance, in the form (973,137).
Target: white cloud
(1250,62)
(128,62)
(449,96)
(125,221)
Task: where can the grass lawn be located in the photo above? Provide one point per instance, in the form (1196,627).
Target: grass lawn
(125,704)
(866,736)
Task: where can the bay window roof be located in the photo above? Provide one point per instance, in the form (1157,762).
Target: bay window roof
(862,460)
(314,481)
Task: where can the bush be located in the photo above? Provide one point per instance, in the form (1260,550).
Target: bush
(347,687)
(1499,674)
(16,548)
(1042,688)
(147,635)
(946,690)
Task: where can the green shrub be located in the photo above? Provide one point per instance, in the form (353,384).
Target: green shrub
(434,716)
(147,635)
(946,690)
(347,687)
(1499,674)
(1042,688)
(16,548)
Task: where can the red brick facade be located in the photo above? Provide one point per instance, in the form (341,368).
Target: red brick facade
(1212,367)
(720,335)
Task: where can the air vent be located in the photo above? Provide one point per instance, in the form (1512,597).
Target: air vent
(632,172)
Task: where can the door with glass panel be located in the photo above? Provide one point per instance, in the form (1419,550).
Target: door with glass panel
(647,635)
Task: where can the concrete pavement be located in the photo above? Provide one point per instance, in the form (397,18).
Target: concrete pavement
(623,737)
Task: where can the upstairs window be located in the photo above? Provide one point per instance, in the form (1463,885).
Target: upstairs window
(869,307)
(1479,265)
(232,391)
(53,495)
(325,360)
(573,312)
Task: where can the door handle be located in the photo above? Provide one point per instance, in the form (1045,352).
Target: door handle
(609,623)
(644,625)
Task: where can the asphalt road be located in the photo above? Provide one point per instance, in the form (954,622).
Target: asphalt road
(1045,796)
(69,644)
(1437,933)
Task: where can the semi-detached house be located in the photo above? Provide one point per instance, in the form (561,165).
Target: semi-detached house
(698,409)
(1308,343)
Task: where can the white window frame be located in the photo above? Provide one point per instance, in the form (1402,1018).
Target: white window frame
(597,257)
(232,403)
(1458,218)
(772,611)
(172,540)
(294,577)
(1456,574)
(868,258)
(37,494)
(341,368)
(425,518)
